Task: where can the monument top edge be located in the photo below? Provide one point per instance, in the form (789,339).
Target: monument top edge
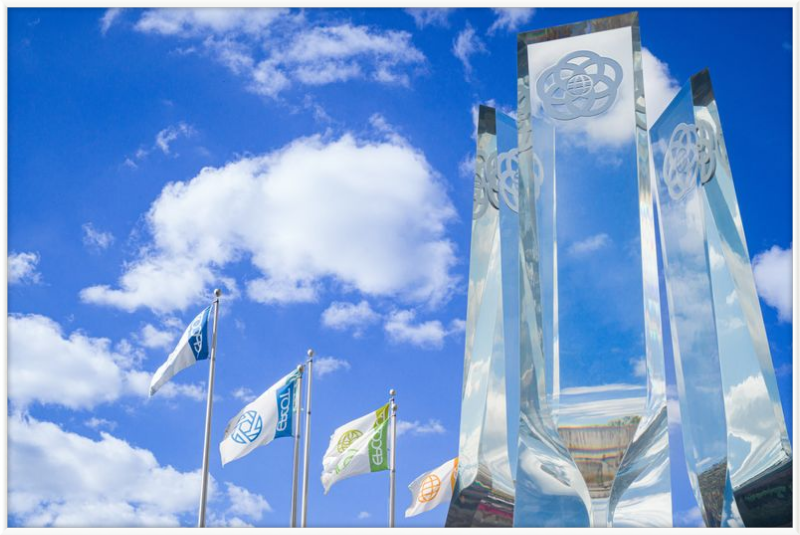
(578,28)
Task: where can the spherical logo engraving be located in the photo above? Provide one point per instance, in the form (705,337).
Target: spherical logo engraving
(706,150)
(581,84)
(681,162)
(347,439)
(429,488)
(247,428)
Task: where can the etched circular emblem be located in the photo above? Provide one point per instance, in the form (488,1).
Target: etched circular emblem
(486,190)
(347,439)
(706,150)
(247,428)
(429,488)
(681,161)
(508,178)
(581,84)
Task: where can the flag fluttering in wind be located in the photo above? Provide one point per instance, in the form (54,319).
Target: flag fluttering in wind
(432,488)
(270,416)
(193,346)
(357,447)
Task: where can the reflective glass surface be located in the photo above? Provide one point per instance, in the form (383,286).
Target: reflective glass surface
(484,494)
(717,322)
(599,373)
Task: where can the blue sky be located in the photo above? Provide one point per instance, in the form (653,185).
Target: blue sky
(311,163)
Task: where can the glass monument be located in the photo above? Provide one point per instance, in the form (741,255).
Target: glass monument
(737,447)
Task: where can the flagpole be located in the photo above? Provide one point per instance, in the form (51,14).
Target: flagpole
(297,411)
(304,511)
(201,522)
(393,408)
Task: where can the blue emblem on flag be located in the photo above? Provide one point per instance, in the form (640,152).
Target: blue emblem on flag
(198,335)
(247,428)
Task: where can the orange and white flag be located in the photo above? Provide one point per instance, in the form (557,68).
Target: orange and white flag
(432,488)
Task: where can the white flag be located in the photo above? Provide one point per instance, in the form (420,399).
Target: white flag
(270,416)
(193,346)
(432,488)
(357,447)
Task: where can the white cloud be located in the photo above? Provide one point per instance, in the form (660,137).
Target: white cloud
(639,367)
(511,19)
(327,365)
(467,44)
(437,16)
(342,316)
(78,372)
(63,479)
(22,268)
(166,136)
(153,337)
(599,411)
(590,244)
(272,49)
(58,478)
(466,167)
(660,87)
(432,427)
(363,515)
(400,327)
(772,270)
(283,211)
(200,22)
(97,423)
(246,503)
(244,394)
(96,240)
(109,18)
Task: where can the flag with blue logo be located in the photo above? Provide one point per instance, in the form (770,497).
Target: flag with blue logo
(194,345)
(270,416)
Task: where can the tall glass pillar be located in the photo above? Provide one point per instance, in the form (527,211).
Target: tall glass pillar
(737,448)
(484,493)
(593,446)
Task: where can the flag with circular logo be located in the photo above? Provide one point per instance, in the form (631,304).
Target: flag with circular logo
(357,447)
(193,346)
(270,416)
(432,488)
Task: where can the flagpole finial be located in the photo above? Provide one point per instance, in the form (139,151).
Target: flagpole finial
(217,292)
(310,353)
(392,392)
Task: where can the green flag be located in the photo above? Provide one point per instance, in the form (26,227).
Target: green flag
(357,447)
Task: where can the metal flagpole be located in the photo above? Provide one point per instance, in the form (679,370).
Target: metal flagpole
(297,411)
(201,522)
(393,408)
(304,511)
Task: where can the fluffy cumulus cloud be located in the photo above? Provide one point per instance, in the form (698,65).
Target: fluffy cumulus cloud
(109,18)
(467,44)
(435,16)
(273,49)
(283,212)
(511,19)
(75,371)
(401,326)
(326,365)
(62,479)
(342,316)
(432,427)
(772,270)
(201,22)
(22,268)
